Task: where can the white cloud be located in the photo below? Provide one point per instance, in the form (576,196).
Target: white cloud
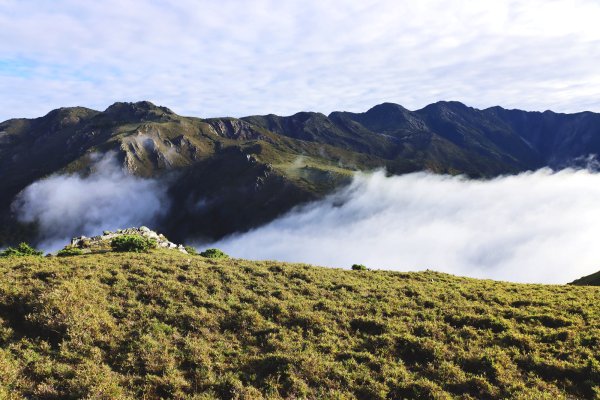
(540,227)
(65,206)
(230,57)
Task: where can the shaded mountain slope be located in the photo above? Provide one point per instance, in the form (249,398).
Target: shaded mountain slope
(589,280)
(557,138)
(252,169)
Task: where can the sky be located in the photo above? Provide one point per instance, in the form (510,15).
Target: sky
(234,58)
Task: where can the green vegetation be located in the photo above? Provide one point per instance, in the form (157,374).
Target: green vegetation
(133,243)
(590,280)
(359,267)
(191,250)
(214,253)
(170,325)
(21,250)
(70,251)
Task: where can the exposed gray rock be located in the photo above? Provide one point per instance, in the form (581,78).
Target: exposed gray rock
(100,241)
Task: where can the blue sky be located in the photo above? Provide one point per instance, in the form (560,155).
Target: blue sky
(233,57)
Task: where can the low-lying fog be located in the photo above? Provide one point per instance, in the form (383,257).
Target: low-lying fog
(65,206)
(533,227)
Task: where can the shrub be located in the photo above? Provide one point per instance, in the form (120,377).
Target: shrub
(368,326)
(419,389)
(191,250)
(491,322)
(359,267)
(213,253)
(132,243)
(21,250)
(69,251)
(413,350)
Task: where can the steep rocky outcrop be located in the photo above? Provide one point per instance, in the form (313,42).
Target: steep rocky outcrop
(237,129)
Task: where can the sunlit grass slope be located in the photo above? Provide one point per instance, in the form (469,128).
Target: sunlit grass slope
(169,325)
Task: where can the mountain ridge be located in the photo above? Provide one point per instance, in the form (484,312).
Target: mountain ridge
(258,167)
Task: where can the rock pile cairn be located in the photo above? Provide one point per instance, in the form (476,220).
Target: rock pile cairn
(88,244)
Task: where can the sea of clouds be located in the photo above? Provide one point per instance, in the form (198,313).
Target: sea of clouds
(538,227)
(108,198)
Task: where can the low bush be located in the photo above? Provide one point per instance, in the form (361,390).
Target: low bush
(491,322)
(413,350)
(359,267)
(21,250)
(191,250)
(132,243)
(213,253)
(70,251)
(368,326)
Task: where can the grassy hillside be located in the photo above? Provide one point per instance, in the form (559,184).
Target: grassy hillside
(171,325)
(589,280)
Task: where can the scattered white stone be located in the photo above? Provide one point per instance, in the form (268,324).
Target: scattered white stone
(86,243)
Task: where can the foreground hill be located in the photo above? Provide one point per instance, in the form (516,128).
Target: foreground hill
(171,325)
(589,280)
(228,174)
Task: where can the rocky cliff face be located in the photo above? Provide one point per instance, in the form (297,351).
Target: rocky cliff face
(236,129)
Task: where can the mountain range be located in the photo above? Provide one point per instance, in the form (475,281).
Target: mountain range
(226,175)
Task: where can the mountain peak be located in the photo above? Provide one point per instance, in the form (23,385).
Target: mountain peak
(387,118)
(387,108)
(141,110)
(63,112)
(306,115)
(447,105)
(137,106)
